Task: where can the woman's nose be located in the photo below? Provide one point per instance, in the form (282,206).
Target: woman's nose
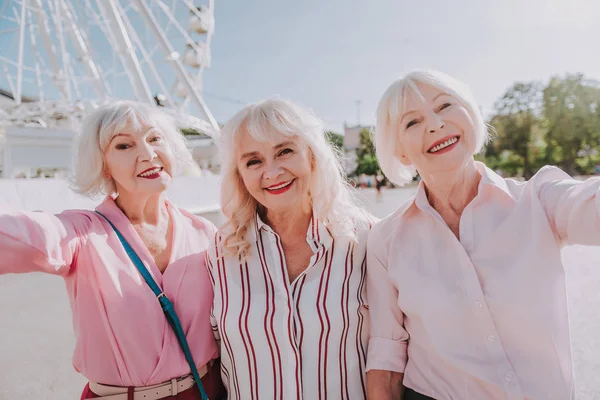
(273,170)
(435,123)
(147,152)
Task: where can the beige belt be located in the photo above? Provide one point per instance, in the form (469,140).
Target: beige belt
(155,392)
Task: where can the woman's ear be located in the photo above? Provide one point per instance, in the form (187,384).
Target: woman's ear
(105,173)
(401,155)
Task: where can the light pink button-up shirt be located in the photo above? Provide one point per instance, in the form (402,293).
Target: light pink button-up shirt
(484,317)
(122,336)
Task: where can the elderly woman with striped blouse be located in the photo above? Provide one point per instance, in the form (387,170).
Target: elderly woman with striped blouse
(465,281)
(288,267)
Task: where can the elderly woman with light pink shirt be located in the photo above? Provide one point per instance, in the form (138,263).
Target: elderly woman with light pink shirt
(125,346)
(465,281)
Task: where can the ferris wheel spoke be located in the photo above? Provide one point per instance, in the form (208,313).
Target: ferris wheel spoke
(103,25)
(38,73)
(44,32)
(9,79)
(74,82)
(208,34)
(9,30)
(17,96)
(186,36)
(15,64)
(148,60)
(175,60)
(64,78)
(80,43)
(128,56)
(9,19)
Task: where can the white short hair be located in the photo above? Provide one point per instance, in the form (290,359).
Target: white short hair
(102,125)
(392,105)
(333,201)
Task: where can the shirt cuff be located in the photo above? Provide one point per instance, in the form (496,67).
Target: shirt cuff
(387,355)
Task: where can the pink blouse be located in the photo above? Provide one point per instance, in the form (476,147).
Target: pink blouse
(122,336)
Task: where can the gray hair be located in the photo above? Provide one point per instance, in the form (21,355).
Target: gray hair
(392,105)
(102,125)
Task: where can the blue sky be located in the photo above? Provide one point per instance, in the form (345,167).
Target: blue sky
(327,54)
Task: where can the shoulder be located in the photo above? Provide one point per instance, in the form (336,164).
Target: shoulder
(387,225)
(549,173)
(81,221)
(537,182)
(363,224)
(216,247)
(385,230)
(356,231)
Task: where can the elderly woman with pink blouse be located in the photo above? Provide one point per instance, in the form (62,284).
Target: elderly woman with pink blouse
(288,267)
(465,281)
(124,345)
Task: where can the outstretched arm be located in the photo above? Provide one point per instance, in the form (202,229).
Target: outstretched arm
(572,207)
(36,241)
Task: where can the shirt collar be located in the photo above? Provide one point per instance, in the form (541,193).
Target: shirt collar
(317,235)
(489,179)
(492,179)
(110,210)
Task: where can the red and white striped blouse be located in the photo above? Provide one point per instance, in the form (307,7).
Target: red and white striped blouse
(304,340)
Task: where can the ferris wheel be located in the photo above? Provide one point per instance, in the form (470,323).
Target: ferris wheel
(61,58)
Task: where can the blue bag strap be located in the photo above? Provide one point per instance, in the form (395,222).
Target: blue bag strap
(166,305)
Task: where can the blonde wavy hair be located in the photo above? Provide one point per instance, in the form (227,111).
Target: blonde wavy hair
(332,199)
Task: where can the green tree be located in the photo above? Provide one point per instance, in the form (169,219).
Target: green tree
(366,159)
(190,132)
(517,124)
(336,140)
(571,110)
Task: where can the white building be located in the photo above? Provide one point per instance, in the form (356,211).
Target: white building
(351,143)
(6,100)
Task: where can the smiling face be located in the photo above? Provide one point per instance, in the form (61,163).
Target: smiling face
(276,173)
(435,133)
(139,161)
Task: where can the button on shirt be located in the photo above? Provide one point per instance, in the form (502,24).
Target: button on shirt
(484,317)
(301,340)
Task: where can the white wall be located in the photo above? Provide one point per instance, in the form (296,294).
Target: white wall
(31,148)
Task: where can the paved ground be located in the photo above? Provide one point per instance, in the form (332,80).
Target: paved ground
(36,338)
